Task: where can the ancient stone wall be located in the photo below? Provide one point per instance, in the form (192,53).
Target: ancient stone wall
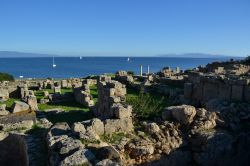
(111,106)
(109,92)
(82,95)
(123,77)
(201,88)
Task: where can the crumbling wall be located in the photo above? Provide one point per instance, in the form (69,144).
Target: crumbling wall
(201,88)
(111,107)
(109,92)
(82,95)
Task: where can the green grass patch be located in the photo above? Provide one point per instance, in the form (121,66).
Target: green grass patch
(86,142)
(70,117)
(67,106)
(9,102)
(93,92)
(114,138)
(66,90)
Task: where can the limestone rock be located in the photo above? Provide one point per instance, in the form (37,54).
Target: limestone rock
(32,102)
(44,101)
(67,145)
(118,125)
(19,126)
(3,110)
(3,135)
(108,152)
(45,93)
(2,107)
(140,147)
(78,128)
(19,106)
(121,111)
(107,162)
(57,132)
(183,113)
(95,125)
(80,157)
(152,128)
(57,89)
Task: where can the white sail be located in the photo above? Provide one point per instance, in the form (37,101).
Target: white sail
(128,59)
(54,65)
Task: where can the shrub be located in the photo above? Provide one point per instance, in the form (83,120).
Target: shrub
(145,106)
(131,73)
(6,77)
(247,60)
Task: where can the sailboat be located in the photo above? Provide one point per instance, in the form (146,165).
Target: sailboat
(80,57)
(128,59)
(54,65)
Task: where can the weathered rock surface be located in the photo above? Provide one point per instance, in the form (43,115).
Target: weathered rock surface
(107,162)
(80,157)
(32,102)
(3,111)
(19,106)
(183,113)
(118,125)
(108,152)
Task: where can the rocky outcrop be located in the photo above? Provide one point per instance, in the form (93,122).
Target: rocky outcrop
(80,157)
(65,149)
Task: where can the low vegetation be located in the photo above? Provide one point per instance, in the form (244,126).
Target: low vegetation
(145,105)
(9,102)
(247,60)
(131,73)
(114,138)
(6,77)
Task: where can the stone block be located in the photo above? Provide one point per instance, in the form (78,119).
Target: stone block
(210,91)
(237,93)
(188,88)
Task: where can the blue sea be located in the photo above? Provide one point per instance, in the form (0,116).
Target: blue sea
(68,67)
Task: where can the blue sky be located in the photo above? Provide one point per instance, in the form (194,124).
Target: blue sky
(125,27)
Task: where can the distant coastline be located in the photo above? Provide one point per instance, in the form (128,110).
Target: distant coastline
(16,54)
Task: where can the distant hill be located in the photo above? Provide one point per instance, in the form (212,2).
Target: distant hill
(195,55)
(15,54)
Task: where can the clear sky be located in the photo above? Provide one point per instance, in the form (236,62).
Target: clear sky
(125,27)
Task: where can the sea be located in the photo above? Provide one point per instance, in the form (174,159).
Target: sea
(70,67)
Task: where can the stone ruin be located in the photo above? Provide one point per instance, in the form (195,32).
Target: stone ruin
(167,72)
(201,87)
(124,77)
(226,68)
(82,95)
(72,82)
(8,89)
(109,92)
(4,94)
(111,106)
